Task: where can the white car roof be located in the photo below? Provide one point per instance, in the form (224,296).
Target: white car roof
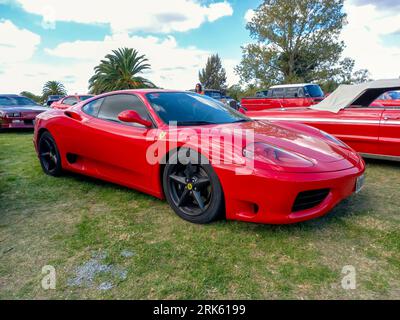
(358,94)
(295,85)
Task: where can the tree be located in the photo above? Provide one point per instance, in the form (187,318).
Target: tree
(346,76)
(30,95)
(53,88)
(296,41)
(213,76)
(120,70)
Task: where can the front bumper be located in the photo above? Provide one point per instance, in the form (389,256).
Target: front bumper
(268,197)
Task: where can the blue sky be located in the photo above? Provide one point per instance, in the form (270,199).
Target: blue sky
(63,40)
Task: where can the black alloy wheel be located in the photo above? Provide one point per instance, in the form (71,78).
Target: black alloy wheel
(49,155)
(193,190)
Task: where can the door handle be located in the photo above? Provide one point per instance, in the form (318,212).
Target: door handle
(390,118)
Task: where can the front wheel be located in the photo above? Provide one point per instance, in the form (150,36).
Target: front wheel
(193,189)
(49,155)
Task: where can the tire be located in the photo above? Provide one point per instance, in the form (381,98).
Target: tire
(49,156)
(187,190)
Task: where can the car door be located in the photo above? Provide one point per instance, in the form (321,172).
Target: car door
(389,138)
(357,126)
(120,151)
(294,97)
(277,97)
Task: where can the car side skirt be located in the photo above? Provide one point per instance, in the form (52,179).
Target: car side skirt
(380,157)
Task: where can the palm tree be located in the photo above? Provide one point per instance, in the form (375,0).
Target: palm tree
(53,88)
(119,71)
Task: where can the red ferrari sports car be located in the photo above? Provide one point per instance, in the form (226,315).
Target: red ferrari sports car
(350,115)
(205,158)
(68,101)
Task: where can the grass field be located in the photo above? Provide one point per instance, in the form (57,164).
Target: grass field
(106,241)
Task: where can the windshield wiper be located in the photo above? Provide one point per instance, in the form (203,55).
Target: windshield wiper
(242,120)
(194,123)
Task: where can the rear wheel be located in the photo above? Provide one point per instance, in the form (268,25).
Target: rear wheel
(193,189)
(49,155)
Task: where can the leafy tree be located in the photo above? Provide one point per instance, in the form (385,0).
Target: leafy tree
(296,41)
(31,96)
(120,70)
(346,76)
(235,91)
(53,88)
(213,76)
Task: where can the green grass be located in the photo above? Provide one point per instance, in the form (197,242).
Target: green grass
(65,221)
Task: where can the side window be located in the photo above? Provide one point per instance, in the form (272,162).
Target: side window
(92,108)
(115,104)
(278,93)
(70,101)
(300,93)
(291,93)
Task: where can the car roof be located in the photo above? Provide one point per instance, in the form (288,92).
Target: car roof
(10,95)
(295,85)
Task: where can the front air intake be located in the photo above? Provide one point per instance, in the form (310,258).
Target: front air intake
(309,199)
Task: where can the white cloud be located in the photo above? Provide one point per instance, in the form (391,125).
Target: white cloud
(248,16)
(134,15)
(171,66)
(363,37)
(16,44)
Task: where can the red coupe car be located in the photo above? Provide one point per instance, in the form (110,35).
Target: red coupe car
(205,158)
(18,112)
(69,101)
(350,114)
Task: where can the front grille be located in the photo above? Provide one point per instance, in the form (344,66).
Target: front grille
(309,199)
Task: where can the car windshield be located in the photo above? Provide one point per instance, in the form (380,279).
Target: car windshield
(82,98)
(192,109)
(16,101)
(314,91)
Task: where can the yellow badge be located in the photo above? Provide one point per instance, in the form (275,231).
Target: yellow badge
(162,135)
(190,186)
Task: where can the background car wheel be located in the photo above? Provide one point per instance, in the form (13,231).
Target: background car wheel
(193,189)
(49,155)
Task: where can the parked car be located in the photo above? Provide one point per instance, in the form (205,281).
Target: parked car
(68,101)
(284,96)
(18,111)
(53,98)
(219,95)
(348,114)
(388,99)
(125,137)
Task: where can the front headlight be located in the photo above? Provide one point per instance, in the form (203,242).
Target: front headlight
(333,139)
(275,156)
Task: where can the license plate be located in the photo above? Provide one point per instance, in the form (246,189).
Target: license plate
(360,183)
(17,121)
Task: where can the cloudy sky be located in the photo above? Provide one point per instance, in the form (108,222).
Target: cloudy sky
(44,40)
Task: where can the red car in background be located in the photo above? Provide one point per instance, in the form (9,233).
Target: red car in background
(18,112)
(69,101)
(297,172)
(351,115)
(284,96)
(388,99)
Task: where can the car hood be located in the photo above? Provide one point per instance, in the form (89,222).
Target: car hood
(23,109)
(302,140)
(295,140)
